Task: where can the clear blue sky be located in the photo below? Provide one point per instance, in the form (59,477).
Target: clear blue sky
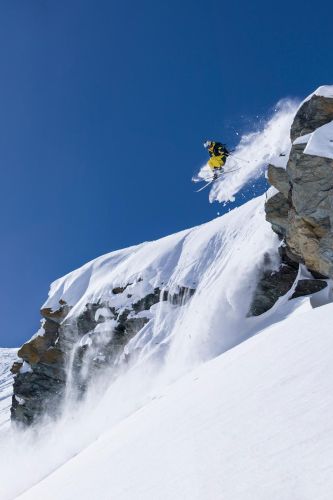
(103,109)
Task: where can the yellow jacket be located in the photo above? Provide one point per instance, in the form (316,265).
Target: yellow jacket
(218,155)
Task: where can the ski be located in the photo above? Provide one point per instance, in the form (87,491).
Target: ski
(206,185)
(213,180)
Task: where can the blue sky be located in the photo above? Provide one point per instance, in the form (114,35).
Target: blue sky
(103,109)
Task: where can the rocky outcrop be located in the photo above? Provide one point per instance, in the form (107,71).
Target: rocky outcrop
(308,287)
(79,345)
(301,213)
(277,209)
(314,112)
(278,178)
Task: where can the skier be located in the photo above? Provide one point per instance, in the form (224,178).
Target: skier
(218,155)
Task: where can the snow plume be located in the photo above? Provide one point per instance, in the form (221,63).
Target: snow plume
(255,151)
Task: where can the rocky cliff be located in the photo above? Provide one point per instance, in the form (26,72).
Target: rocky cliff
(301,213)
(79,346)
(301,208)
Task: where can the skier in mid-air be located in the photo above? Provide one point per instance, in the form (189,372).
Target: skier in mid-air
(218,156)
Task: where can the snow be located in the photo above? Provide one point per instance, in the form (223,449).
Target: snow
(189,258)
(7,357)
(206,258)
(256,422)
(254,152)
(323,91)
(319,142)
(303,139)
(25,368)
(194,417)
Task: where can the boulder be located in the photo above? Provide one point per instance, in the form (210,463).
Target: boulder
(276,209)
(312,114)
(308,287)
(278,178)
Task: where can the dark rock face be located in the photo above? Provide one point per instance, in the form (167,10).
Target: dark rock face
(271,286)
(85,344)
(314,113)
(307,287)
(278,178)
(42,385)
(302,212)
(277,209)
(273,283)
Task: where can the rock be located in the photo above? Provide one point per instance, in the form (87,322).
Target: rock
(303,216)
(271,286)
(313,113)
(278,178)
(120,289)
(276,209)
(308,287)
(311,178)
(181,296)
(17,365)
(58,315)
(149,300)
(41,388)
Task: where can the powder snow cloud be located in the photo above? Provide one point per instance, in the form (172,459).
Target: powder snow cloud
(255,151)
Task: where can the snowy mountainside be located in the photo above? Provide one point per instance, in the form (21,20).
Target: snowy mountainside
(7,357)
(127,306)
(223,259)
(196,366)
(254,422)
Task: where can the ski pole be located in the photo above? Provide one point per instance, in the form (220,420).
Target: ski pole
(237,158)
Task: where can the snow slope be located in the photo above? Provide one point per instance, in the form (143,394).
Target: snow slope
(224,429)
(7,357)
(220,259)
(254,423)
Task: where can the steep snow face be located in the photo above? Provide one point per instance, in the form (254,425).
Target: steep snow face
(7,357)
(220,260)
(255,422)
